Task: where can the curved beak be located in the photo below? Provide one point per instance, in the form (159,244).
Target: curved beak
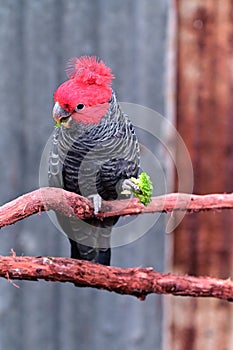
(60,115)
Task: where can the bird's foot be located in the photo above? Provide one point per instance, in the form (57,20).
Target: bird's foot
(129,187)
(141,187)
(97,202)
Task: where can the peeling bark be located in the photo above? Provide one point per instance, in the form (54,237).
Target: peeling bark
(137,282)
(72,205)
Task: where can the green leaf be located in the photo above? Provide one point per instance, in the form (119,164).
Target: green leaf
(57,124)
(142,190)
(146,188)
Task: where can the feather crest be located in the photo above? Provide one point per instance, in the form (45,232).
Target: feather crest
(89,70)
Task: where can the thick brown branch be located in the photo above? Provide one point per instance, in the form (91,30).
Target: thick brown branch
(71,204)
(138,282)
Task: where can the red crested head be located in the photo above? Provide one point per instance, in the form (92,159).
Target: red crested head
(89,84)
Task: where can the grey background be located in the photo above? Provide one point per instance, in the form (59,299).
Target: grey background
(36,39)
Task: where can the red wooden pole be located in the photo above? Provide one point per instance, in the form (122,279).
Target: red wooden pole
(204,243)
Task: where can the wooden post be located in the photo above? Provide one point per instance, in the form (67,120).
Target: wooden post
(203,244)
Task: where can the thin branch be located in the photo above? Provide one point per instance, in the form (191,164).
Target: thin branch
(72,205)
(137,282)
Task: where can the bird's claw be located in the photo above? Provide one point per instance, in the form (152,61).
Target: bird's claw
(141,187)
(130,187)
(97,202)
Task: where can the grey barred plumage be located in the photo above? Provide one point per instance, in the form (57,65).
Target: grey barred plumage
(94,159)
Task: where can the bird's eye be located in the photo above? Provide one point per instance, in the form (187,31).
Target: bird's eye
(80,106)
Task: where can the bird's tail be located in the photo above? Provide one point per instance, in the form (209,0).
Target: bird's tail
(83,252)
(89,239)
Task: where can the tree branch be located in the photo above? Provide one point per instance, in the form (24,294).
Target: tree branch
(72,205)
(138,282)
(134,281)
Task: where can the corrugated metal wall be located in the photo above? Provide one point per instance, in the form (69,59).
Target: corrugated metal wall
(36,37)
